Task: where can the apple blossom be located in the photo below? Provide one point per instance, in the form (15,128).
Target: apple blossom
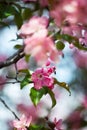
(42,77)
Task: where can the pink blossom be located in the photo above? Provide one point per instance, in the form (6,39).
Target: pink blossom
(57,124)
(22,123)
(30,110)
(36,26)
(41,49)
(36,41)
(73,11)
(22,64)
(80,58)
(41,77)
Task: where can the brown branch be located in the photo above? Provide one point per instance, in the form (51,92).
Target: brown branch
(13,59)
(8,108)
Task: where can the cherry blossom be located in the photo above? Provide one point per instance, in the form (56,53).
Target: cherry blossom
(23,123)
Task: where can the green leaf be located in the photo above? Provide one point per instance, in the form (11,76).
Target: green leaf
(18,19)
(67,37)
(50,92)
(71,39)
(25,82)
(6,10)
(60,45)
(18,46)
(63,85)
(27,58)
(36,95)
(36,127)
(27,13)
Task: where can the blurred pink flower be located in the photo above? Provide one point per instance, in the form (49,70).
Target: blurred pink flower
(36,41)
(75,119)
(72,11)
(41,48)
(57,124)
(41,77)
(36,26)
(22,123)
(80,58)
(2,58)
(30,110)
(22,64)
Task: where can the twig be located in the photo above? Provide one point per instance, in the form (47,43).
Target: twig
(8,108)
(13,59)
(10,82)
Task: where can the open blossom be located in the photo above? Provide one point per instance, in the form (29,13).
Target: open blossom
(58,124)
(41,77)
(22,123)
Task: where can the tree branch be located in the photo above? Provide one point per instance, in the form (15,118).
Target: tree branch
(13,59)
(8,108)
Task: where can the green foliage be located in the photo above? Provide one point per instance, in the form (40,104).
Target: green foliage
(26,80)
(27,58)
(36,127)
(71,39)
(50,92)
(36,95)
(12,9)
(60,45)
(27,13)
(6,10)
(18,46)
(18,19)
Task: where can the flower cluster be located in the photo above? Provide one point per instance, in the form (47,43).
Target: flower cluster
(42,77)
